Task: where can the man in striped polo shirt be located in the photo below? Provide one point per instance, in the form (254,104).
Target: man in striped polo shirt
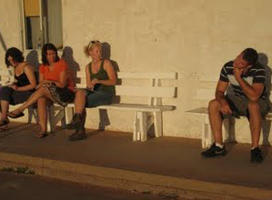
(246,77)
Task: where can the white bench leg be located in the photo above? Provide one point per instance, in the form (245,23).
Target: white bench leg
(140,127)
(226,130)
(158,123)
(143,125)
(207,137)
(69,113)
(136,136)
(32,112)
(50,119)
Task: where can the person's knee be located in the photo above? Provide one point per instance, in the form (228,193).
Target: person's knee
(80,94)
(42,101)
(253,106)
(214,105)
(42,90)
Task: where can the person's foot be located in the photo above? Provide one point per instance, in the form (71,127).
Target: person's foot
(78,135)
(15,114)
(214,151)
(256,155)
(3,128)
(76,122)
(41,134)
(4,122)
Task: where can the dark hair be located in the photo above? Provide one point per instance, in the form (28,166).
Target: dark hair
(16,54)
(250,55)
(47,47)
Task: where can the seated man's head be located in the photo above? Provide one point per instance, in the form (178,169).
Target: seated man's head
(246,58)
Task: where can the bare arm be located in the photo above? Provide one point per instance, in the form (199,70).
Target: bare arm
(254,91)
(220,97)
(111,74)
(63,79)
(88,77)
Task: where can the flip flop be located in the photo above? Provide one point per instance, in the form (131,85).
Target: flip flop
(41,135)
(3,129)
(13,115)
(4,122)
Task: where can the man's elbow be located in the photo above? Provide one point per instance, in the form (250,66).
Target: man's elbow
(113,81)
(254,98)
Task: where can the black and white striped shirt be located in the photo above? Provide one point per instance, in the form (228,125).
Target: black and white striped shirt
(255,74)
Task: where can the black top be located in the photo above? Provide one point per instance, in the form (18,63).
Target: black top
(22,80)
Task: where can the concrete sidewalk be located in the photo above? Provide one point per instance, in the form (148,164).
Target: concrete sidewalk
(161,165)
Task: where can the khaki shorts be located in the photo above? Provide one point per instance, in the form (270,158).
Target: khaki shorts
(239,106)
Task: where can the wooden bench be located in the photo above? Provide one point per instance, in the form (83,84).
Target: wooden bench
(131,84)
(206,93)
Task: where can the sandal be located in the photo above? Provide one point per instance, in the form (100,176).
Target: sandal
(41,134)
(4,122)
(13,115)
(3,129)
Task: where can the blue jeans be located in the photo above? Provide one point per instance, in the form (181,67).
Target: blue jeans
(97,98)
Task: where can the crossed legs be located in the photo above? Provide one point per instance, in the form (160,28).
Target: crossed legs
(41,92)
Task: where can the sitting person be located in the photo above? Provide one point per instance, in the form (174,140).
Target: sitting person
(247,78)
(21,89)
(55,85)
(101,78)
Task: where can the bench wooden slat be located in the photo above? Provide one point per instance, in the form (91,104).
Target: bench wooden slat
(136,75)
(134,107)
(138,91)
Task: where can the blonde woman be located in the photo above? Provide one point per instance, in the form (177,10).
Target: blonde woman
(101,78)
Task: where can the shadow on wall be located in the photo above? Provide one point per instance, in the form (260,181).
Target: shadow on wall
(103,114)
(266,125)
(67,55)
(32,58)
(3,43)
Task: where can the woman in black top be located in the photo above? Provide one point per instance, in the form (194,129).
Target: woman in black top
(21,89)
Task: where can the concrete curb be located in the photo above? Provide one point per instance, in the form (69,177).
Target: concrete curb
(133,181)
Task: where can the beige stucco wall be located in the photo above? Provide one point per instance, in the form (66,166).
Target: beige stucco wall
(9,26)
(192,38)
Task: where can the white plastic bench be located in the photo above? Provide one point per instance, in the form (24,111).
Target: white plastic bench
(207,93)
(145,114)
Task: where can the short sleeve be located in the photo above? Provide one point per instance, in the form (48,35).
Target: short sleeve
(259,76)
(63,65)
(42,69)
(224,74)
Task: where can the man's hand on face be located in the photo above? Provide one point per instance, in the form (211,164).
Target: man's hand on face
(238,72)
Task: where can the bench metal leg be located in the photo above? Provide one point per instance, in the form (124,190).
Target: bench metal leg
(158,123)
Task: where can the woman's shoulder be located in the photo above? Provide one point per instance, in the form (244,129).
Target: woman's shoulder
(107,63)
(28,67)
(62,62)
